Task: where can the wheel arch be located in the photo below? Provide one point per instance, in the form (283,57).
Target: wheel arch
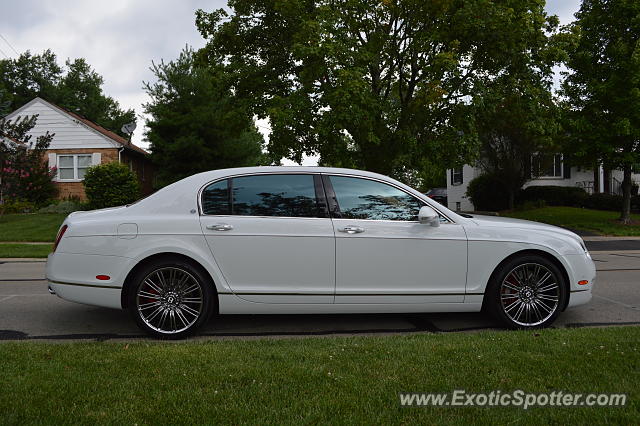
(527,252)
(128,281)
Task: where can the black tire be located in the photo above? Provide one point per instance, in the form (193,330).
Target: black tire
(171,298)
(527,292)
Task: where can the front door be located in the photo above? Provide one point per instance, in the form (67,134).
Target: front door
(271,237)
(384,255)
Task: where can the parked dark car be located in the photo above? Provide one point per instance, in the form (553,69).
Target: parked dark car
(438,194)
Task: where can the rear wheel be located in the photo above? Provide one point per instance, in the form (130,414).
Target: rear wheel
(527,292)
(170,299)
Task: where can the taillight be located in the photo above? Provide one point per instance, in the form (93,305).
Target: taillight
(59,237)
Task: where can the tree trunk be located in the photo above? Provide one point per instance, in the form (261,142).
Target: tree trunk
(625,216)
(606,177)
(596,178)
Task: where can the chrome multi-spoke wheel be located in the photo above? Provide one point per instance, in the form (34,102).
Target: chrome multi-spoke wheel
(528,292)
(171,299)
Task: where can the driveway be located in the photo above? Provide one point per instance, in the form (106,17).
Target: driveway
(28,311)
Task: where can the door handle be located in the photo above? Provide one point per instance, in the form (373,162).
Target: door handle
(352,229)
(220,227)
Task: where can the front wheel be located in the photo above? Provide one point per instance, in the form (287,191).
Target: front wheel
(170,299)
(527,292)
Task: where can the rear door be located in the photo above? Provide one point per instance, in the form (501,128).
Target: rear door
(271,236)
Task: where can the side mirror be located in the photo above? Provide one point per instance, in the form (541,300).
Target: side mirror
(428,216)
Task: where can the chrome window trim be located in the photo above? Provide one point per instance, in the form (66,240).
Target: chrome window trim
(424,200)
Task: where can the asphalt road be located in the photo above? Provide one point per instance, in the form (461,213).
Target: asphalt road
(28,311)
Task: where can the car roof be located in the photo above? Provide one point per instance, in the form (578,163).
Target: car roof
(286,169)
(179,195)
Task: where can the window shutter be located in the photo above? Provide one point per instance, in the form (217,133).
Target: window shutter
(566,168)
(53,162)
(96,158)
(528,169)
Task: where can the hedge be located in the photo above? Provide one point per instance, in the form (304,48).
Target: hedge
(570,196)
(487,193)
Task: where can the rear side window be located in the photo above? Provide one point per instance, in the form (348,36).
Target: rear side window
(292,195)
(274,195)
(215,198)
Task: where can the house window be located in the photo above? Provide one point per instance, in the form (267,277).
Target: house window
(73,167)
(549,165)
(456,176)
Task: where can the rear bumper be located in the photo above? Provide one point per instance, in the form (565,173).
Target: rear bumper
(73,277)
(108,297)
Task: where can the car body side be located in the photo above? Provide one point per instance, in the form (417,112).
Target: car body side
(113,242)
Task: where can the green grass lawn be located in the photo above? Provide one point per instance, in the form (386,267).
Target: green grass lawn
(598,221)
(30,227)
(25,250)
(319,380)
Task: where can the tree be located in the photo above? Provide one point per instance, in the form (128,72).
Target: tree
(518,121)
(380,85)
(195,123)
(76,87)
(24,174)
(602,86)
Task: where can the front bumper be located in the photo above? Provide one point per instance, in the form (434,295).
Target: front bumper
(580,267)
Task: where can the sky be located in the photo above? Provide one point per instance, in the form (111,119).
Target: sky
(120,38)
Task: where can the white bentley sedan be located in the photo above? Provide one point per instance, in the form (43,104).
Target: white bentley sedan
(293,240)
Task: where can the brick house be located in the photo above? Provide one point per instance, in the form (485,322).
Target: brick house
(79,143)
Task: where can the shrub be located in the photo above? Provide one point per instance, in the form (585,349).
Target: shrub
(65,207)
(17,207)
(570,196)
(604,202)
(110,184)
(488,193)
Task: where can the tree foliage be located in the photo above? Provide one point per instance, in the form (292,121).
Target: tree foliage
(76,87)
(24,173)
(379,85)
(195,123)
(602,86)
(517,117)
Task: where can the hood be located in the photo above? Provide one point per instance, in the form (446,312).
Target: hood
(508,222)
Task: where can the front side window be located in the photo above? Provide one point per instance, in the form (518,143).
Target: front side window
(274,195)
(73,167)
(291,195)
(368,199)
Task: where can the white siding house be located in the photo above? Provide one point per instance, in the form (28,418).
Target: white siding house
(557,175)
(79,143)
